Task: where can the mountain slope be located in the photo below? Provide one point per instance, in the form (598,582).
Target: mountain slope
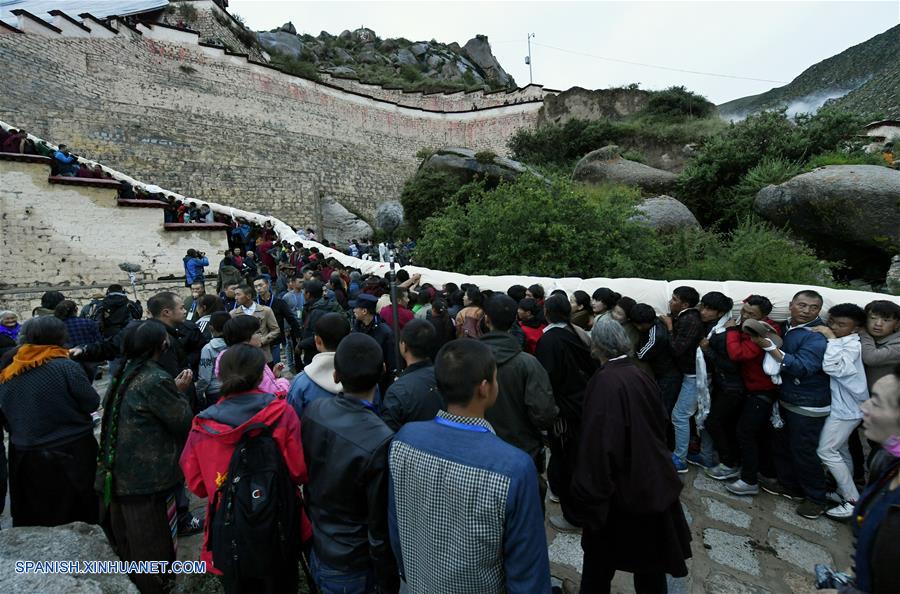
(426,66)
(869,69)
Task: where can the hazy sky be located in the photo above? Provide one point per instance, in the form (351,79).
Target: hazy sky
(762,40)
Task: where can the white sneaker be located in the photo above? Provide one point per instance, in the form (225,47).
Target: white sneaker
(841,512)
(563,525)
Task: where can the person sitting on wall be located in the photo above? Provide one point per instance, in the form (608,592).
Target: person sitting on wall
(66,161)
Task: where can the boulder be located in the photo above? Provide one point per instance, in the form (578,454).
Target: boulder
(288,27)
(856,205)
(285,43)
(461,162)
(607,165)
(342,54)
(478,51)
(369,57)
(364,35)
(892,282)
(73,542)
(340,224)
(346,35)
(404,56)
(419,49)
(665,213)
(343,71)
(434,61)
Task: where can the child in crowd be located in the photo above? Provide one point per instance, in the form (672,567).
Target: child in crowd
(208,385)
(844,365)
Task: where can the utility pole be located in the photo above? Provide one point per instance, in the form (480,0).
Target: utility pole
(528,59)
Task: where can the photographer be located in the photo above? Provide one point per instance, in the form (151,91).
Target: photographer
(66,163)
(194,262)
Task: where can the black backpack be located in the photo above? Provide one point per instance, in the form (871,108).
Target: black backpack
(255,527)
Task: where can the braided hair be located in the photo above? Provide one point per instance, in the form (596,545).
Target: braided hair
(141,343)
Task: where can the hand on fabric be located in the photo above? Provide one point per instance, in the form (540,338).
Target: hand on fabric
(667,320)
(76,352)
(824,331)
(278,369)
(704,344)
(730,323)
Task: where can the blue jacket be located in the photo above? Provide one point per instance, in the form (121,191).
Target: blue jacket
(803,383)
(463,508)
(193,269)
(303,391)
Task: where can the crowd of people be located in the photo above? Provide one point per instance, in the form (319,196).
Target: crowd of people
(413,450)
(415,444)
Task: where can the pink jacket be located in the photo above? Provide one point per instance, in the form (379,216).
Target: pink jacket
(269,384)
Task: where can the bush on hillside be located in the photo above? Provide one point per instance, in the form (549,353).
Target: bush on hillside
(679,102)
(707,185)
(754,251)
(530,227)
(429,191)
(563,145)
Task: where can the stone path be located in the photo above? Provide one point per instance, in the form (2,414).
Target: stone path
(741,545)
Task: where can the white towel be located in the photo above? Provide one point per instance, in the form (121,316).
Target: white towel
(703,380)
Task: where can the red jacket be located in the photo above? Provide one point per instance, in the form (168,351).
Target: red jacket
(404,317)
(532,336)
(744,351)
(211,442)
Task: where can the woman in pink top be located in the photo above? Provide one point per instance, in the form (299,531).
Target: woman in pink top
(245,329)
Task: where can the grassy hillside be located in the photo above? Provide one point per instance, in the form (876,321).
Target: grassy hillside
(872,68)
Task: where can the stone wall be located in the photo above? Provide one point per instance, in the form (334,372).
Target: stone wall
(24,300)
(65,234)
(196,121)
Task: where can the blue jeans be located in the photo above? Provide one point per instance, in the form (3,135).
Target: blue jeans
(685,407)
(335,581)
(276,354)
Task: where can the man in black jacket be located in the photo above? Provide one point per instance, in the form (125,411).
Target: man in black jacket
(346,446)
(685,331)
(315,306)
(564,353)
(116,311)
(288,323)
(366,321)
(414,396)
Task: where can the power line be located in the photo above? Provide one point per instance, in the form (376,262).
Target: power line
(657,66)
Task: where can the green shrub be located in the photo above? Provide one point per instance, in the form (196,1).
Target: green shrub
(754,251)
(410,73)
(589,231)
(531,227)
(678,101)
(188,12)
(707,184)
(634,155)
(427,192)
(844,158)
(485,157)
(424,152)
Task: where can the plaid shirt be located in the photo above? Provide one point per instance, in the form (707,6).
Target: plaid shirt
(464,510)
(82,331)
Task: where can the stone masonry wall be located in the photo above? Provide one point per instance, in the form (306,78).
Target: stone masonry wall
(211,126)
(65,234)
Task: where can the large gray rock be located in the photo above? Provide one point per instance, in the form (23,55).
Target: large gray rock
(288,27)
(404,56)
(280,41)
(479,51)
(462,163)
(73,542)
(892,282)
(340,224)
(419,49)
(664,213)
(853,204)
(342,54)
(607,165)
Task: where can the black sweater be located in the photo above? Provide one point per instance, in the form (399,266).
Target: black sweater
(48,405)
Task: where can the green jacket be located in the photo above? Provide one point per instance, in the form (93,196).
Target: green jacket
(154,419)
(525,404)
